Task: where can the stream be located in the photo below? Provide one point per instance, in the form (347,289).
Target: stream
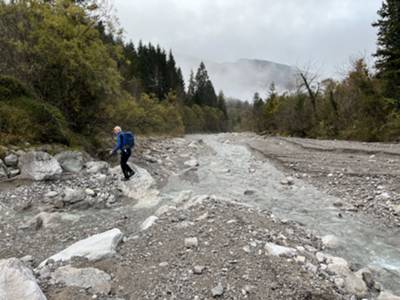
(230,169)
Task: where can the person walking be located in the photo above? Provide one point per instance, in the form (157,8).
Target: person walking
(125,143)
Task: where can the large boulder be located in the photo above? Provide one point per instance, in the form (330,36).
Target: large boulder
(97,281)
(387,296)
(93,167)
(139,185)
(11,160)
(38,165)
(96,247)
(18,282)
(71,161)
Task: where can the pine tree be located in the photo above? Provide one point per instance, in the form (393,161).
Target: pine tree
(205,93)
(388,53)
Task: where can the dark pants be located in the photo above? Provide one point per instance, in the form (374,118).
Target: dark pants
(125,154)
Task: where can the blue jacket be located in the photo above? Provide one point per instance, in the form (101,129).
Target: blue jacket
(120,144)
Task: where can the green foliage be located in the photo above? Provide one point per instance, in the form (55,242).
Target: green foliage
(67,78)
(354,108)
(30,120)
(11,88)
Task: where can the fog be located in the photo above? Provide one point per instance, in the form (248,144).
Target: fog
(323,34)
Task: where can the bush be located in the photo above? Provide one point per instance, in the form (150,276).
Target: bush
(11,88)
(30,120)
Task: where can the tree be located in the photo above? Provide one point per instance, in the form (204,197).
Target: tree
(222,104)
(388,52)
(204,93)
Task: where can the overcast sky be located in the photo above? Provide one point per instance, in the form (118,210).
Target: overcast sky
(323,33)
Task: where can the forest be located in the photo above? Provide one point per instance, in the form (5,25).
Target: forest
(67,76)
(364,105)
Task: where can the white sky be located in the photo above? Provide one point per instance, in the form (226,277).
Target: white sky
(323,33)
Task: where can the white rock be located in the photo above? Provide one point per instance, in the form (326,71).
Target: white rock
(90,192)
(387,296)
(37,165)
(218,290)
(330,241)
(93,167)
(51,220)
(96,247)
(300,259)
(88,278)
(51,194)
(355,285)
(191,242)
(148,223)
(18,282)
(70,161)
(276,250)
(191,163)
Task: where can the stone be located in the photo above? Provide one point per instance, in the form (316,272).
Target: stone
(218,290)
(337,265)
(90,192)
(198,270)
(330,241)
(163,264)
(51,194)
(72,196)
(93,279)
(51,220)
(276,250)
(355,285)
(148,223)
(11,160)
(4,173)
(18,282)
(70,161)
(366,275)
(191,242)
(386,295)
(300,259)
(192,163)
(96,247)
(288,181)
(93,167)
(14,172)
(139,187)
(38,165)
(339,282)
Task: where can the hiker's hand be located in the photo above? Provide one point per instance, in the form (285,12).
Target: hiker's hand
(111,152)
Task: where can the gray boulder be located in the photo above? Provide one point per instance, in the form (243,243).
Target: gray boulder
(70,161)
(37,165)
(97,281)
(11,160)
(18,282)
(93,167)
(96,247)
(3,170)
(72,196)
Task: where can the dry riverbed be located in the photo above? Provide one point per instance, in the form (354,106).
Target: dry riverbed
(174,244)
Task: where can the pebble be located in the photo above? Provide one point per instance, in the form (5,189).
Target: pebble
(218,290)
(191,242)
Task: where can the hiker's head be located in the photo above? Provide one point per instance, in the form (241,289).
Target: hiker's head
(117,129)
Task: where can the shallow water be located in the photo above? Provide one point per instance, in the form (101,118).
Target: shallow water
(230,169)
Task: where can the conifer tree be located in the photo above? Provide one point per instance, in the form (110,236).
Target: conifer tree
(388,53)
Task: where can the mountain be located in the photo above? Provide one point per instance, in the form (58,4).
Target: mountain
(241,79)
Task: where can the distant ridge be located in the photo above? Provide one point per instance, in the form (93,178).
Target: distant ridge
(241,79)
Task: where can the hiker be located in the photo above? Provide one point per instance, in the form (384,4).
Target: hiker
(125,143)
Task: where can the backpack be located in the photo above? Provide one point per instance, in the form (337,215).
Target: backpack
(128,140)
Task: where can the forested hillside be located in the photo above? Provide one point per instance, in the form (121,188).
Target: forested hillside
(68,76)
(365,105)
